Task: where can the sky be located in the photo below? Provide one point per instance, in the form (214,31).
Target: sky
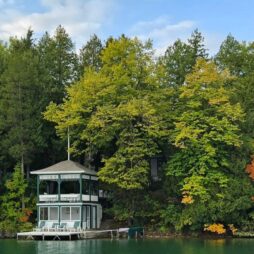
(162,21)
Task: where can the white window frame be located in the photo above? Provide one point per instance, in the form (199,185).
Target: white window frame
(48,208)
(70,215)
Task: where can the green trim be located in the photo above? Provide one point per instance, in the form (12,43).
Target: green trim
(38,219)
(96,223)
(38,186)
(90,188)
(81,216)
(80,186)
(65,174)
(59,188)
(59,215)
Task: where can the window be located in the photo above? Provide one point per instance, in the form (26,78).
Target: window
(66,213)
(43,213)
(75,213)
(70,213)
(49,213)
(53,213)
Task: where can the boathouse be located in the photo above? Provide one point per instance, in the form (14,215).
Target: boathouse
(68,194)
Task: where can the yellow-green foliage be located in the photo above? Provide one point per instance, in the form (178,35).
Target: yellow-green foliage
(119,106)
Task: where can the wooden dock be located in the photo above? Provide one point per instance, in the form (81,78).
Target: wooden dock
(79,234)
(53,235)
(70,235)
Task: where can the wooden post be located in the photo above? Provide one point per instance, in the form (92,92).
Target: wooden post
(69,156)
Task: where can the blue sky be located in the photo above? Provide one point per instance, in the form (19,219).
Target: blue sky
(161,20)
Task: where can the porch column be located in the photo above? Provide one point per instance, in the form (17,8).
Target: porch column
(80,186)
(81,216)
(59,188)
(38,186)
(59,212)
(89,188)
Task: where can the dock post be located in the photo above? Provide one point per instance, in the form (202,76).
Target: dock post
(112,236)
(43,237)
(136,234)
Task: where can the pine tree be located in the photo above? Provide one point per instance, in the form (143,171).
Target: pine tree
(14,216)
(181,57)
(90,55)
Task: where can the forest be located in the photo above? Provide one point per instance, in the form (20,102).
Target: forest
(123,105)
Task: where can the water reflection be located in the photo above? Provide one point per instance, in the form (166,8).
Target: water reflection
(172,246)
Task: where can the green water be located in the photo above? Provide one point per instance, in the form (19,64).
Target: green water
(179,246)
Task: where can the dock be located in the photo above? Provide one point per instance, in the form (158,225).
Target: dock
(80,234)
(54,235)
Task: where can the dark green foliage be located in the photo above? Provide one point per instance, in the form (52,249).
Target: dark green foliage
(14,217)
(180,58)
(90,55)
(123,108)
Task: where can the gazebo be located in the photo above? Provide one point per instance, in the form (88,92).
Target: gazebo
(68,193)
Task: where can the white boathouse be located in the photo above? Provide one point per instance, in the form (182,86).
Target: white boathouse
(68,197)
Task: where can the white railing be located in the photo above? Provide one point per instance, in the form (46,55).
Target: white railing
(87,198)
(67,198)
(70,197)
(48,198)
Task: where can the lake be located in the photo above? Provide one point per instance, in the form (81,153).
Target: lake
(171,246)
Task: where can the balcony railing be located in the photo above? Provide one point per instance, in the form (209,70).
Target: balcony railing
(67,198)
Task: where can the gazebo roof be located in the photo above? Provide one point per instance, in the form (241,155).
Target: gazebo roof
(64,167)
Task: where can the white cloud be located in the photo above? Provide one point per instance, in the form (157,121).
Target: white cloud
(163,32)
(213,42)
(80,18)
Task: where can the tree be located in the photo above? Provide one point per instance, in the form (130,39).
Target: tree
(207,138)
(116,116)
(238,58)
(112,112)
(59,63)
(90,54)
(181,57)
(232,55)
(3,65)
(19,97)
(13,216)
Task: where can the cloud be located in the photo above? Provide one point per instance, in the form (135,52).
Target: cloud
(213,42)
(80,18)
(162,31)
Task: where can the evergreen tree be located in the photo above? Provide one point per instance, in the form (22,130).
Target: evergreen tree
(181,57)
(14,216)
(90,55)
(19,97)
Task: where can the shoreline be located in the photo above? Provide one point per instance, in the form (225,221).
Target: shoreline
(160,236)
